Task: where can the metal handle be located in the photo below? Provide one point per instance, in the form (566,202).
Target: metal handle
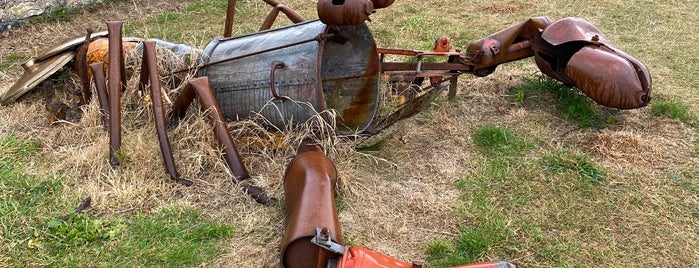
(276,65)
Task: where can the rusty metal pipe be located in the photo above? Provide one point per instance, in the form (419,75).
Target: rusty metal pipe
(230,154)
(81,68)
(150,66)
(116,85)
(101,86)
(309,202)
(290,13)
(230,16)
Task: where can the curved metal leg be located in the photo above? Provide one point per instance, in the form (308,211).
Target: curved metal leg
(149,69)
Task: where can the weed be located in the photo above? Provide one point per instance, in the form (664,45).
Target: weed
(494,140)
(78,230)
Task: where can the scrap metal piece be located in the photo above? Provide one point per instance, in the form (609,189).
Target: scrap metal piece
(574,51)
(115,86)
(35,72)
(309,202)
(42,67)
(240,68)
(149,69)
(333,12)
(199,87)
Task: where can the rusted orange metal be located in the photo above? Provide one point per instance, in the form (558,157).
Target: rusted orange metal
(116,86)
(309,202)
(575,52)
(334,12)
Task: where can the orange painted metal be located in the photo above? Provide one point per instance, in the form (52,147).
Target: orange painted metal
(361,257)
(309,202)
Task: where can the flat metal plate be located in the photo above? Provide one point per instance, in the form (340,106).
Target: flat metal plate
(34,74)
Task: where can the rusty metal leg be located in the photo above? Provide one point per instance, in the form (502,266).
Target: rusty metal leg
(81,68)
(101,86)
(182,102)
(116,85)
(452,87)
(309,202)
(230,17)
(230,153)
(150,67)
(276,8)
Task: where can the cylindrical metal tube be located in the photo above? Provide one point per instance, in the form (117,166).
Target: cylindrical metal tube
(115,75)
(309,202)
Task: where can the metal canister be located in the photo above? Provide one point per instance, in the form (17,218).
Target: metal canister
(297,73)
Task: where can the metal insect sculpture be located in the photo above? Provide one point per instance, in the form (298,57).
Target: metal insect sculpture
(307,69)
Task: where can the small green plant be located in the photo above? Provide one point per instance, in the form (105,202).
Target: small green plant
(673,109)
(572,104)
(493,140)
(78,230)
(576,162)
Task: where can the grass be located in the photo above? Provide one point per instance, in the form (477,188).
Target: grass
(673,109)
(37,227)
(532,172)
(570,103)
(499,141)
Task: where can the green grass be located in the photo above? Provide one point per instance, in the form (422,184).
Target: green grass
(570,103)
(673,109)
(575,162)
(507,204)
(493,140)
(35,231)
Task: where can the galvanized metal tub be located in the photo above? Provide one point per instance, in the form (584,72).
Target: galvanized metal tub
(315,68)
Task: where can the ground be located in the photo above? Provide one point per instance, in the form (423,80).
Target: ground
(429,181)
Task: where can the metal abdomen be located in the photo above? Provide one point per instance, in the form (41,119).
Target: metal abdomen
(292,74)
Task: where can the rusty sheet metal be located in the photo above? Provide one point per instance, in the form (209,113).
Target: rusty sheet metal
(34,74)
(309,202)
(339,73)
(575,52)
(334,12)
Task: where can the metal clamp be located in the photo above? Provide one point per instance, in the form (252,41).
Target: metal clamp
(322,239)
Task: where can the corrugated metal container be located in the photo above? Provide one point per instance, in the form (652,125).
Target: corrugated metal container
(312,72)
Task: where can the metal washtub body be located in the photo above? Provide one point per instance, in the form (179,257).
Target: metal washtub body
(314,68)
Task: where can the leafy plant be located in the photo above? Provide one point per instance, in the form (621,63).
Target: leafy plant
(78,230)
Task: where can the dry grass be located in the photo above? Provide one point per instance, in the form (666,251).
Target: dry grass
(397,199)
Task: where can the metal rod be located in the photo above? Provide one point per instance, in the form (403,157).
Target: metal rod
(223,137)
(151,68)
(81,68)
(230,16)
(102,96)
(115,74)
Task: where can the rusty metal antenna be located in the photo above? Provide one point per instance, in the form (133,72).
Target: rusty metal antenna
(230,15)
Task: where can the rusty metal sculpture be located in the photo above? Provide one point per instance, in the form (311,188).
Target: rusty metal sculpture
(312,236)
(291,76)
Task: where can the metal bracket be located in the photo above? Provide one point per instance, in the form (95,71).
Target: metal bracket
(322,239)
